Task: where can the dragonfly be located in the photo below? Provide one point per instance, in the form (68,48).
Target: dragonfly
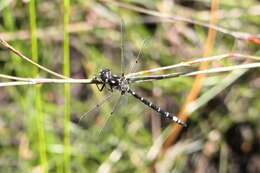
(121,83)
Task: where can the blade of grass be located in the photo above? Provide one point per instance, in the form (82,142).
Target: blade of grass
(66,72)
(9,23)
(38,101)
(15,63)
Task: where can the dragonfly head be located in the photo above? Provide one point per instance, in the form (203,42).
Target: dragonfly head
(105,75)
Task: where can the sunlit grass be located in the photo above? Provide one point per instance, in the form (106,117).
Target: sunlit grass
(66,72)
(39,116)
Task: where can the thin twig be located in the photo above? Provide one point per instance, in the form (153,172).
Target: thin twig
(16,83)
(14,77)
(34,81)
(31,81)
(19,54)
(196,61)
(133,76)
(223,69)
(193,73)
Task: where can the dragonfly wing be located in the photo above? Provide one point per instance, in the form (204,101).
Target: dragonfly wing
(134,61)
(96,107)
(123,47)
(115,108)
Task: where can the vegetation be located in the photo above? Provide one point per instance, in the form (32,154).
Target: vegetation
(215,46)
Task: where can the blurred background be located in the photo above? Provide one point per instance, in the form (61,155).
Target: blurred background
(223,133)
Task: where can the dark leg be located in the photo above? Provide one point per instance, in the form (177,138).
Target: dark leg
(100,89)
(111,88)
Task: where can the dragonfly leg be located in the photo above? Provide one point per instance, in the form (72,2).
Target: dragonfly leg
(100,89)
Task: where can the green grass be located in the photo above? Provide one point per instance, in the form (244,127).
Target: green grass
(66,72)
(39,104)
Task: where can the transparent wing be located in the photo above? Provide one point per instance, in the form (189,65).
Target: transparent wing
(97,106)
(116,107)
(124,101)
(123,47)
(127,55)
(134,63)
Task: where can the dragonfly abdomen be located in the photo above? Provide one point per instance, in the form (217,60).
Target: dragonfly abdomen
(157,108)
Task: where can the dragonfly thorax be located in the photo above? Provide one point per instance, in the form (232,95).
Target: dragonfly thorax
(124,85)
(113,81)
